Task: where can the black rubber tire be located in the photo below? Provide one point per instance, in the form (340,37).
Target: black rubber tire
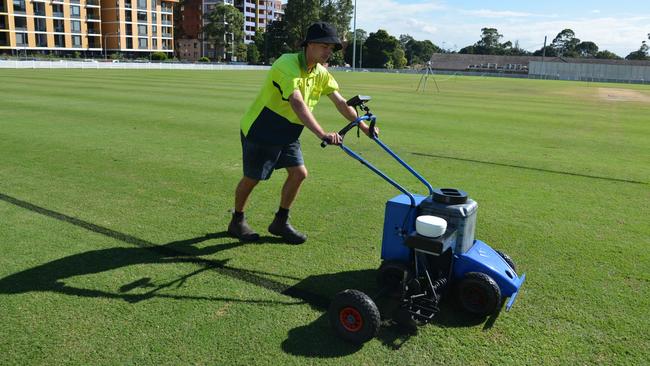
(354,316)
(391,274)
(508,260)
(479,294)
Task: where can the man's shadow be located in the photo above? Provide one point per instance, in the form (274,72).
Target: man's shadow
(51,276)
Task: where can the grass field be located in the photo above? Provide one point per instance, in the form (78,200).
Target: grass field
(115,188)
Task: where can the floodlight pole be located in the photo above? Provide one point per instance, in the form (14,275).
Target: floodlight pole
(354,38)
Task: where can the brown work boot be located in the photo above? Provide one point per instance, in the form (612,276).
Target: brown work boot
(239,228)
(281,227)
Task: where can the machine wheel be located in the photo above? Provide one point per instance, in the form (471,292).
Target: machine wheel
(354,316)
(391,274)
(479,294)
(508,260)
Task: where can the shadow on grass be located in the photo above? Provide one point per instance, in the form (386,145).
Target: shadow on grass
(51,276)
(318,340)
(313,340)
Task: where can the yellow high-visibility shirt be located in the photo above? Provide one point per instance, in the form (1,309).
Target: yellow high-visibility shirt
(270,119)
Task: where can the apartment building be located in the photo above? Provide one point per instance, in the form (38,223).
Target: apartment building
(92,27)
(193,44)
(258,14)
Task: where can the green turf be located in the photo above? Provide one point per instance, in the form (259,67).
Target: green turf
(100,168)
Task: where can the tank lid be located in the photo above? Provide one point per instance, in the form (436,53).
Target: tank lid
(449,196)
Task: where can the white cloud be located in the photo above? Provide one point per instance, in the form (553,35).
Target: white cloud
(455,28)
(486,13)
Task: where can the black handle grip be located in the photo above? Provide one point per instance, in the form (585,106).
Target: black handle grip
(372,129)
(324,143)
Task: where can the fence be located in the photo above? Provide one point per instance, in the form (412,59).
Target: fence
(590,72)
(63,64)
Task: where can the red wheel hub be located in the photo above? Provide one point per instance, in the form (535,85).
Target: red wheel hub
(351,319)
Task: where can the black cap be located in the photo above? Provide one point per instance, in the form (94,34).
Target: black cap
(322,32)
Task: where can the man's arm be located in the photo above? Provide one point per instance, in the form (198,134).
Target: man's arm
(350,113)
(304,114)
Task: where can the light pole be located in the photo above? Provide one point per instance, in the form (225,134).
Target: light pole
(354,38)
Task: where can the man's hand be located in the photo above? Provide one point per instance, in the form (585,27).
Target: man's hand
(364,127)
(332,138)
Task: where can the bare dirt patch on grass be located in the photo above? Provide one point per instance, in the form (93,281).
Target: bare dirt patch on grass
(622,95)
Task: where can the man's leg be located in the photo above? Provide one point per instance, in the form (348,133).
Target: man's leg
(238,226)
(280,225)
(243,191)
(296,175)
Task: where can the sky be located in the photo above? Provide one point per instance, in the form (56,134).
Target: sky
(615,25)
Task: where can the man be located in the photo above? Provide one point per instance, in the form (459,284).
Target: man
(272,125)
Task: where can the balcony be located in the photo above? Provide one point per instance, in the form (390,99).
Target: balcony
(92,17)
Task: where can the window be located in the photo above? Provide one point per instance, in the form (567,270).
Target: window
(3,22)
(142,4)
(19,6)
(57,10)
(41,40)
(39,25)
(21,39)
(154,30)
(153,5)
(127,16)
(142,43)
(75,11)
(20,23)
(142,30)
(142,17)
(129,42)
(76,41)
(3,7)
(154,44)
(59,40)
(58,25)
(39,9)
(154,17)
(76,26)
(4,40)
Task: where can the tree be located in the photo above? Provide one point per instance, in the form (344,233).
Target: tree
(274,41)
(419,52)
(379,49)
(488,44)
(225,25)
(299,15)
(547,51)
(565,43)
(399,61)
(640,54)
(515,50)
(338,13)
(362,35)
(252,54)
(586,49)
(607,55)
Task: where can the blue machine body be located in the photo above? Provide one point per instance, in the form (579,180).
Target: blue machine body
(469,254)
(482,258)
(399,221)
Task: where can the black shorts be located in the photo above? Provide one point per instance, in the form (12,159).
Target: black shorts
(260,159)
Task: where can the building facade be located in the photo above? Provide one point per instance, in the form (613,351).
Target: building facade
(257,15)
(91,27)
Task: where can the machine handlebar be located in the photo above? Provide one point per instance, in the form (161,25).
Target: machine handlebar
(350,126)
